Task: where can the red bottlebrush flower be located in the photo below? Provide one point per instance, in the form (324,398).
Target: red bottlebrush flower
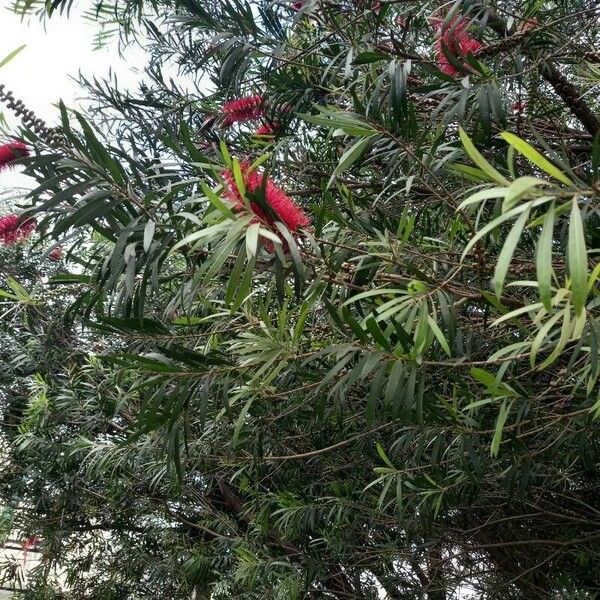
(12,229)
(287,211)
(10,152)
(243,110)
(270,129)
(519,107)
(453,38)
(29,544)
(56,254)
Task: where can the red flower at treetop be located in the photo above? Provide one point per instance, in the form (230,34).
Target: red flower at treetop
(287,211)
(12,229)
(453,38)
(10,152)
(243,110)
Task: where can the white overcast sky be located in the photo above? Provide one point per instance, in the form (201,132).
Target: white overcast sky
(56,50)
(60,47)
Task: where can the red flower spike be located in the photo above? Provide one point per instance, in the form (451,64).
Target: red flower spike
(454,39)
(243,110)
(12,229)
(56,254)
(29,544)
(289,213)
(10,152)
(270,129)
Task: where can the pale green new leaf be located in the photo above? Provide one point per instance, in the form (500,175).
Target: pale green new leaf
(495,192)
(252,239)
(510,245)
(439,335)
(543,259)
(478,159)
(541,336)
(565,335)
(578,262)
(149,234)
(529,152)
(11,55)
(521,187)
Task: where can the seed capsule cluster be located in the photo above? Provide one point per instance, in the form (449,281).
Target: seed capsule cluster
(51,136)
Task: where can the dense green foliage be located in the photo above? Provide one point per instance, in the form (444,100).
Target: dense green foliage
(398,400)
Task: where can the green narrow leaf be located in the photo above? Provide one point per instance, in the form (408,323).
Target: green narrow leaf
(543,259)
(239,424)
(478,159)
(531,154)
(239,179)
(541,336)
(483,195)
(235,275)
(349,158)
(393,387)
(510,245)
(513,212)
(294,251)
(17,288)
(245,286)
(499,429)
(439,335)
(11,55)
(377,334)
(467,171)
(565,335)
(359,332)
(520,188)
(216,201)
(369,57)
(149,234)
(383,456)
(225,153)
(577,259)
(252,239)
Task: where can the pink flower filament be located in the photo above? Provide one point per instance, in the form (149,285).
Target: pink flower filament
(454,39)
(10,152)
(243,110)
(285,209)
(13,229)
(270,129)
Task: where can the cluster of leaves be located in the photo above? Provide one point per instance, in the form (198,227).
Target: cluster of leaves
(401,400)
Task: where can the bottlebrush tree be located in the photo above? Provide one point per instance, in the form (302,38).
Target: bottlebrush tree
(333,270)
